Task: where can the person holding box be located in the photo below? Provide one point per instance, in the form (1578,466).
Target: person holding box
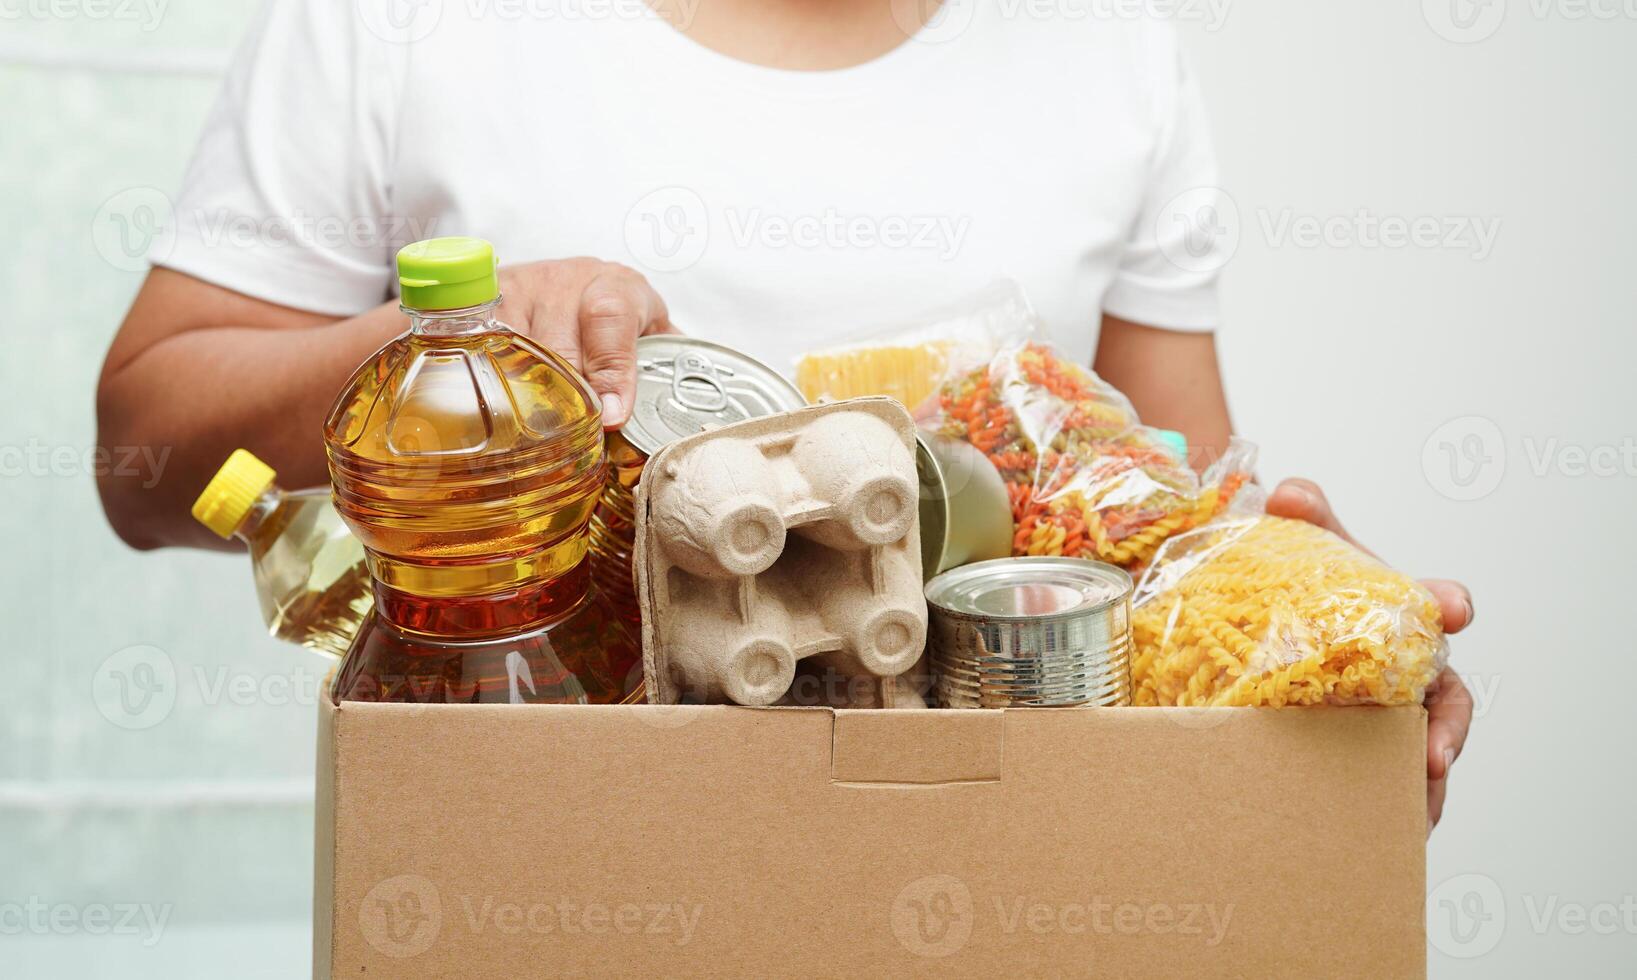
(759,174)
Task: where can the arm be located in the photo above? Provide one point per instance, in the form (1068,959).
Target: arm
(1173,380)
(197,371)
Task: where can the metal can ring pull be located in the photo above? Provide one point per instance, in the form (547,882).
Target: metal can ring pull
(693,366)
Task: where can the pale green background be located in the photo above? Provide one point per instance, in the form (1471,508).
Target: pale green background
(1342,362)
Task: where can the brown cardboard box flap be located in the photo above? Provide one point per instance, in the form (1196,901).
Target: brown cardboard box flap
(505,841)
(917,747)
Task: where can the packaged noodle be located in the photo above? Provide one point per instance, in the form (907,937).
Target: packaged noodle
(1270,611)
(908,361)
(1085,478)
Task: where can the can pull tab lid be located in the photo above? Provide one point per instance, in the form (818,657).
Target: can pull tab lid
(694,383)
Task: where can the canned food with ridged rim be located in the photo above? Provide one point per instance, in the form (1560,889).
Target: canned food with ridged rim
(1031,632)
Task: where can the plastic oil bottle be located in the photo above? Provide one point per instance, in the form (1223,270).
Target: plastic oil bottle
(309,569)
(614,528)
(467,459)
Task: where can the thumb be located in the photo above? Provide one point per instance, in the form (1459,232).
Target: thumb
(1304,501)
(611,318)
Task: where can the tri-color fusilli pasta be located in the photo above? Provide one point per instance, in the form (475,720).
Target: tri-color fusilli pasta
(1084,477)
(1272,611)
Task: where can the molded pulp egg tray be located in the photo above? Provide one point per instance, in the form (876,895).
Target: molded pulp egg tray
(785,539)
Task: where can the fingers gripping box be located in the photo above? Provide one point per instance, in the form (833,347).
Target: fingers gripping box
(781,539)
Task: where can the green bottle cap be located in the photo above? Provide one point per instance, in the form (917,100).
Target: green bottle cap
(1174,441)
(447,274)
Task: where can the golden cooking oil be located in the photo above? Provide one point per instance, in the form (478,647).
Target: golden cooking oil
(311,580)
(614,528)
(467,459)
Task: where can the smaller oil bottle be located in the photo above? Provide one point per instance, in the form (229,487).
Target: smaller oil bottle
(310,574)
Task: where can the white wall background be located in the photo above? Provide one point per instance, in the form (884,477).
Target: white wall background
(1346,360)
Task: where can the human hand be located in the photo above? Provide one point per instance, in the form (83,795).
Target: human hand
(591,313)
(1448,703)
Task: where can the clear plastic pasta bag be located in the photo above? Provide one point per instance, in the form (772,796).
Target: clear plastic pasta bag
(1084,477)
(1255,610)
(910,360)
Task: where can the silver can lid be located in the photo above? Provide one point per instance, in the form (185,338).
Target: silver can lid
(686,385)
(1028,588)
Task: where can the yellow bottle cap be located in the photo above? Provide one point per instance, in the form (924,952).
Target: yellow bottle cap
(231,493)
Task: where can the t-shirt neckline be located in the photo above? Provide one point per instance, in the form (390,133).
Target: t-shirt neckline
(927,44)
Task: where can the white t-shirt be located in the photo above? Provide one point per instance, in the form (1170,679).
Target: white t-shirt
(773,210)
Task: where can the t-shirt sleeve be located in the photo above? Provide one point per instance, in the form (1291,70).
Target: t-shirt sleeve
(1186,228)
(287,195)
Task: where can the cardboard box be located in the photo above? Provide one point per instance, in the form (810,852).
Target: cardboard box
(507,841)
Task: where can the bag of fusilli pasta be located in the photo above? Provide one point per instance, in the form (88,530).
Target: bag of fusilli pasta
(1085,478)
(910,360)
(1269,611)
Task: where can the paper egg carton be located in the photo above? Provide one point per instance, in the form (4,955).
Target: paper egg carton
(787,538)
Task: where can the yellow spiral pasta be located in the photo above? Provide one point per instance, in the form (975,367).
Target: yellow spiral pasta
(1272,612)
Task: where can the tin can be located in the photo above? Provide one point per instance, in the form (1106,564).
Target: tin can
(684,385)
(1031,632)
(966,515)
